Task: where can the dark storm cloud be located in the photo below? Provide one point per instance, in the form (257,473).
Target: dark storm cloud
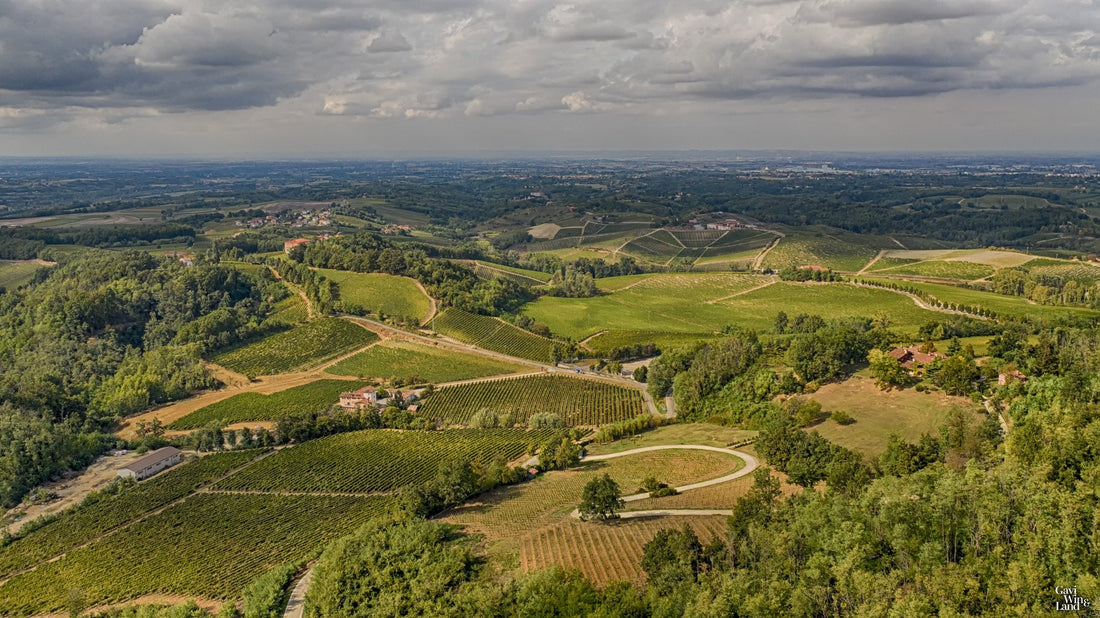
(439,58)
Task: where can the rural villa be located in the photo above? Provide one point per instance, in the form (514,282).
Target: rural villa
(368,396)
(152,463)
(912,358)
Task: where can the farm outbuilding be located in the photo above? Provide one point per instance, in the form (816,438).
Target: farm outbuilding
(152,463)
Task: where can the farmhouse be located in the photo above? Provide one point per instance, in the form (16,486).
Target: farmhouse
(289,245)
(366,396)
(912,358)
(151,464)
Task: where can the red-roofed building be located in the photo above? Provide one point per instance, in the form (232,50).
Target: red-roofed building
(289,245)
(912,358)
(366,396)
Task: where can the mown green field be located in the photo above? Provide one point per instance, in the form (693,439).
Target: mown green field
(603,343)
(577,401)
(671,308)
(15,274)
(675,302)
(311,397)
(304,346)
(415,363)
(379,293)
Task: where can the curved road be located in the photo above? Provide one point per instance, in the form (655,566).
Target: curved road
(751,464)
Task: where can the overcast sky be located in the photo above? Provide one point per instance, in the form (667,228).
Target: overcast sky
(394,77)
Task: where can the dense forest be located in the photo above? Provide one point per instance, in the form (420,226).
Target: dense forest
(101,337)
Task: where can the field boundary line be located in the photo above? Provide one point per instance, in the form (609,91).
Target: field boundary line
(736,294)
(758,261)
(878,256)
(920,303)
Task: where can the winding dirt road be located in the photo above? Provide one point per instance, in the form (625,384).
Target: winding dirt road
(751,464)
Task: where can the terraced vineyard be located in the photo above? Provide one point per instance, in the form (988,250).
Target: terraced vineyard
(379,293)
(302,399)
(376,460)
(577,401)
(210,546)
(85,522)
(493,334)
(304,346)
(415,363)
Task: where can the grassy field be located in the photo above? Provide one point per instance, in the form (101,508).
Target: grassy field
(605,342)
(379,293)
(376,460)
(879,413)
(965,271)
(578,401)
(493,334)
(675,302)
(14,274)
(843,252)
(209,546)
(686,433)
(311,397)
(990,257)
(288,311)
(301,347)
(659,302)
(415,363)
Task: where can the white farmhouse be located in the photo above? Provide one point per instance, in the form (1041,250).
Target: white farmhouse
(151,464)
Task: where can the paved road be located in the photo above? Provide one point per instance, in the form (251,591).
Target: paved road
(751,464)
(296,605)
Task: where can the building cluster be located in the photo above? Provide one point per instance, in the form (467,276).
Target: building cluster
(301,218)
(367,397)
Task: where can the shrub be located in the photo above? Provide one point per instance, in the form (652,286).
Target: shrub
(843,418)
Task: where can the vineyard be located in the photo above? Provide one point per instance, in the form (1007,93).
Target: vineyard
(415,363)
(697,238)
(304,346)
(493,334)
(819,250)
(1082,272)
(377,460)
(520,275)
(578,401)
(303,399)
(85,522)
(210,546)
(965,271)
(288,312)
(606,554)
